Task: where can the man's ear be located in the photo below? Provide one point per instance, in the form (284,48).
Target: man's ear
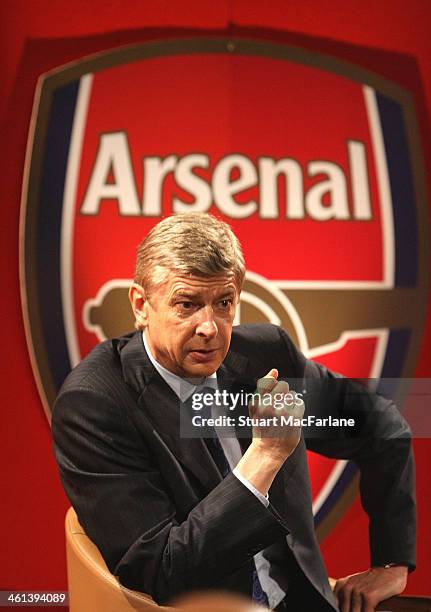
(139,305)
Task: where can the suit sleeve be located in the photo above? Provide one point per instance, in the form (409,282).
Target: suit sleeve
(124,505)
(381,446)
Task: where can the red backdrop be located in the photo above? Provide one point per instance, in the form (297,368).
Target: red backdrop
(32,501)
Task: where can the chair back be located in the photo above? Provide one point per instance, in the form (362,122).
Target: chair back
(92,587)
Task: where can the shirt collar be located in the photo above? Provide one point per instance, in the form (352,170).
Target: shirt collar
(182,387)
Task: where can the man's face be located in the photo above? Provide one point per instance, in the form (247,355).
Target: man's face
(188,322)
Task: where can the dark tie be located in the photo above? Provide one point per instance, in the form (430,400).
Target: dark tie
(215,448)
(217,453)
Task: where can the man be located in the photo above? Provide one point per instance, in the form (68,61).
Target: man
(163,510)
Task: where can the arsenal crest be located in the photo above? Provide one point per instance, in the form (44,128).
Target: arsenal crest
(312,161)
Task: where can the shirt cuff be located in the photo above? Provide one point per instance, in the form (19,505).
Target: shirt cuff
(262,498)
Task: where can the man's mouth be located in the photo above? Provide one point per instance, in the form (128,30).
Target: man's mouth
(204,354)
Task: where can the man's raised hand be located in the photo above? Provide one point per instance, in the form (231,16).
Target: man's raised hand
(273,441)
(273,400)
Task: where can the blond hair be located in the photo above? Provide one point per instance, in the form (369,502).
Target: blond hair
(188,243)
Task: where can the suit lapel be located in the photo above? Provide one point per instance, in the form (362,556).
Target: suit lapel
(161,406)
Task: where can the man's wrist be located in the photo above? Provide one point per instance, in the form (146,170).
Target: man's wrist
(259,467)
(269,454)
(264,499)
(403,567)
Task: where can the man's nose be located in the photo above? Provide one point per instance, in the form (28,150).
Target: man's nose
(207,326)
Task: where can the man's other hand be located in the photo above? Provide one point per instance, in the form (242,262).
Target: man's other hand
(362,592)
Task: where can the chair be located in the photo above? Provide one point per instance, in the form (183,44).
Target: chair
(92,588)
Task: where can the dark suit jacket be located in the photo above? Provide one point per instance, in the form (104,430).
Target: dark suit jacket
(158,508)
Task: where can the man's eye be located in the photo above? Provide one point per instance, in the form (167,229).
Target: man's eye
(185,305)
(225,304)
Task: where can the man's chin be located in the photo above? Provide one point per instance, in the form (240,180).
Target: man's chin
(195,369)
(200,372)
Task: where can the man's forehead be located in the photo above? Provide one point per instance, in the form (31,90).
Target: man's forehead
(177,283)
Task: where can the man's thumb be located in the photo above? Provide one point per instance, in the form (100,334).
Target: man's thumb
(268,382)
(272,374)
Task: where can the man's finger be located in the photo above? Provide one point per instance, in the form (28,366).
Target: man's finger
(355,601)
(368,604)
(343,596)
